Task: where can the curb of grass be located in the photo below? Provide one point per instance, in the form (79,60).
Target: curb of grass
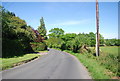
(24,61)
(19,63)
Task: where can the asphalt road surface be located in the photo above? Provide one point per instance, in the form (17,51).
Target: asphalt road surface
(55,65)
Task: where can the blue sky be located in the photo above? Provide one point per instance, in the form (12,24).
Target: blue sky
(72,17)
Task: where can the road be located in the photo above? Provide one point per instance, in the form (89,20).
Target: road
(55,65)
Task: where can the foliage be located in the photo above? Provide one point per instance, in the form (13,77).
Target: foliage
(16,35)
(54,42)
(112,42)
(73,41)
(67,40)
(79,41)
(92,38)
(32,33)
(38,46)
(68,36)
(41,29)
(102,40)
(38,36)
(56,32)
(13,48)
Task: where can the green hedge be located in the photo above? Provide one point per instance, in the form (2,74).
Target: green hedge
(38,46)
(11,48)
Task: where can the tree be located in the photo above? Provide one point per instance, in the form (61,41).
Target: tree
(41,29)
(38,36)
(102,41)
(79,41)
(92,37)
(68,36)
(15,35)
(112,42)
(56,32)
(55,42)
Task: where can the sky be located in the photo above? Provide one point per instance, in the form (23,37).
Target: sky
(72,17)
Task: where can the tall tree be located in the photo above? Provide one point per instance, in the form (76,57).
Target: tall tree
(41,29)
(56,32)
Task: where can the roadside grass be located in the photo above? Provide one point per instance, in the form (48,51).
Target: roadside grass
(103,67)
(10,62)
(109,58)
(96,70)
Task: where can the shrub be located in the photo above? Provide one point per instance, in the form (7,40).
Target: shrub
(38,46)
(16,47)
(55,43)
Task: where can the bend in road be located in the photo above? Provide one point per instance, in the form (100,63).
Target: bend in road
(55,65)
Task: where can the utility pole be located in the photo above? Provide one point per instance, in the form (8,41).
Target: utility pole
(97,29)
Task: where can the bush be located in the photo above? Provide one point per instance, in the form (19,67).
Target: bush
(55,43)
(110,62)
(12,48)
(38,46)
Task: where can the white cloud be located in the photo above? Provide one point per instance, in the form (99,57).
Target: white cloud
(72,22)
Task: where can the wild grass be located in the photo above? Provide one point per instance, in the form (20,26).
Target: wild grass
(95,69)
(9,62)
(109,59)
(103,67)
(110,49)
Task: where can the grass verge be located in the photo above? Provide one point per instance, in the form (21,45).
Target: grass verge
(109,58)
(11,62)
(96,70)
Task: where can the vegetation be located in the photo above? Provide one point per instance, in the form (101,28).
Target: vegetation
(11,62)
(41,29)
(16,35)
(96,70)
(71,41)
(103,67)
(109,58)
(112,42)
(56,32)
(38,46)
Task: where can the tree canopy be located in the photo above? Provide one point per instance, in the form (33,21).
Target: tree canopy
(56,32)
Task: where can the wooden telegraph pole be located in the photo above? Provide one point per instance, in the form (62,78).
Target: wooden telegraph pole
(97,29)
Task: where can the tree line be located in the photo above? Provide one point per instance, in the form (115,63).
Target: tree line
(74,42)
